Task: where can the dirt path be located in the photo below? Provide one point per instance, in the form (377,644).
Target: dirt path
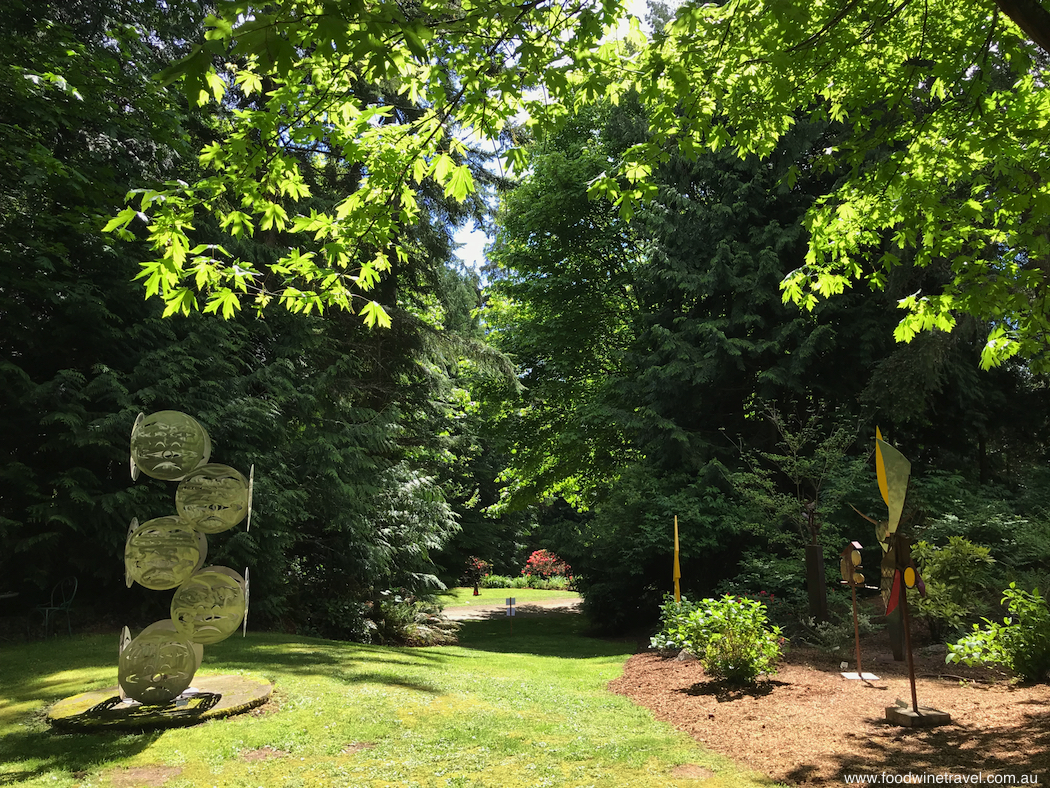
(539,608)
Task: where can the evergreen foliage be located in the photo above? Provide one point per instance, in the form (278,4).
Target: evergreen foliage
(652,352)
(355,435)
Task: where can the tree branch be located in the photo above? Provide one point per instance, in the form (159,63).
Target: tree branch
(1031,17)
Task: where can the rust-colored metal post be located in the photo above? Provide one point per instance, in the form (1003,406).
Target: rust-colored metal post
(904,561)
(856,630)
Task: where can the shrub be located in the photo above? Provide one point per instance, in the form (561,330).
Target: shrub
(777,582)
(496,581)
(475,570)
(556,583)
(956,577)
(337,617)
(545,564)
(1021,642)
(409,621)
(731,636)
(676,631)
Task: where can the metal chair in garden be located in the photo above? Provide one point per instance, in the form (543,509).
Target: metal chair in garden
(61,603)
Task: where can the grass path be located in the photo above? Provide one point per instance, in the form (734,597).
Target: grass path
(464,597)
(499,710)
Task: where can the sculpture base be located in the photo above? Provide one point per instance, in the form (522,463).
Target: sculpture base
(923,718)
(215,697)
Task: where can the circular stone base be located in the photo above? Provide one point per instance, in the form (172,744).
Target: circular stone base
(211,697)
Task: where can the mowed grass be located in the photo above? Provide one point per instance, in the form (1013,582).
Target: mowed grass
(501,709)
(464,597)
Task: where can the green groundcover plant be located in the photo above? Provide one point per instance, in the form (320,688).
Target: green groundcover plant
(731,636)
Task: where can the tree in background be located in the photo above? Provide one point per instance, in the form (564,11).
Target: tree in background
(350,430)
(943,115)
(651,348)
(468,68)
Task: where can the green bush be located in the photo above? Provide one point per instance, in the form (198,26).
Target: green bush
(496,581)
(778,583)
(675,630)
(731,636)
(409,621)
(957,578)
(555,583)
(526,581)
(1021,642)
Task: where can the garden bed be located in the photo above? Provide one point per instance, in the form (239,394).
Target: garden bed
(809,725)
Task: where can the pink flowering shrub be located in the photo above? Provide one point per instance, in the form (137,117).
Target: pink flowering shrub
(476,569)
(545,564)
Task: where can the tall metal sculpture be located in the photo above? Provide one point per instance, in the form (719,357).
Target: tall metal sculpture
(209,603)
(893,470)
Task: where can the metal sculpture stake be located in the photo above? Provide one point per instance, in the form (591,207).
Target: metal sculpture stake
(893,470)
(849,565)
(903,553)
(676,572)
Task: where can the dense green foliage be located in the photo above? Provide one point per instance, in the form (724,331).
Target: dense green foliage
(956,577)
(387,89)
(322,159)
(731,636)
(939,131)
(1021,642)
(664,377)
(934,148)
(361,440)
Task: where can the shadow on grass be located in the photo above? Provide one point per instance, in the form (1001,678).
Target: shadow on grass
(43,673)
(274,655)
(564,635)
(42,750)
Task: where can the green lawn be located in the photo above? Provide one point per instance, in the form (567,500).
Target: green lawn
(501,709)
(464,597)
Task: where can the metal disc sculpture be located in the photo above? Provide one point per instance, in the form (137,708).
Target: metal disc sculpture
(209,604)
(893,470)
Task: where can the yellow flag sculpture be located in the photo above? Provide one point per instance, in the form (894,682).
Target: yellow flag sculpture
(893,470)
(677,573)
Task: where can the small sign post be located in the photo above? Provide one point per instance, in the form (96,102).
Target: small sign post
(511,612)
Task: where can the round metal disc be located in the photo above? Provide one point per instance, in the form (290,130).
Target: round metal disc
(247,597)
(128,579)
(251,491)
(131,457)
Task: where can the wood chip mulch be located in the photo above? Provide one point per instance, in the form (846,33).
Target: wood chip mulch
(807,725)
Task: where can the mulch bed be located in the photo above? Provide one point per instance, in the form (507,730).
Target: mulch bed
(807,725)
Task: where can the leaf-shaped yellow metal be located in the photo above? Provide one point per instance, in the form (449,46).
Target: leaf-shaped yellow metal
(880,468)
(895,469)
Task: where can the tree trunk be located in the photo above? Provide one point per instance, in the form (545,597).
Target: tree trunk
(1031,17)
(816,583)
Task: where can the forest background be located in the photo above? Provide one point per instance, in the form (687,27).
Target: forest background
(286,197)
